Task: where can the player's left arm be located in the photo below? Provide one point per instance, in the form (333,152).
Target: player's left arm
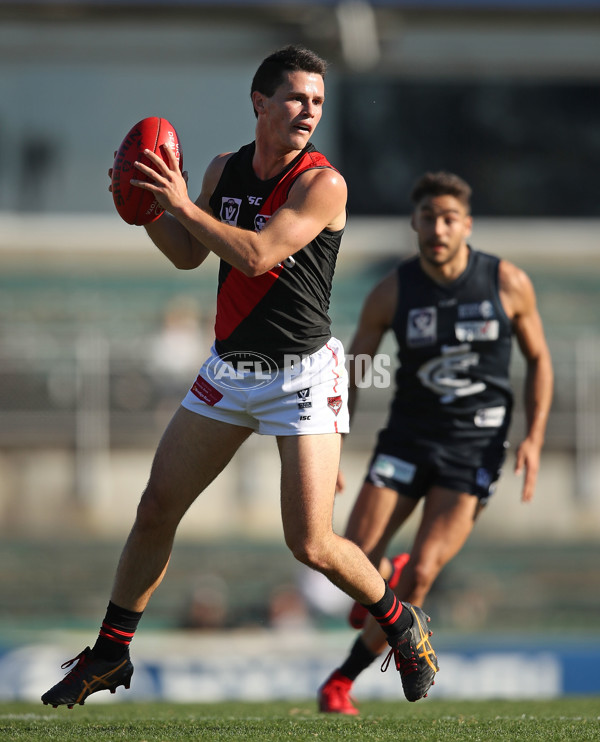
(519,300)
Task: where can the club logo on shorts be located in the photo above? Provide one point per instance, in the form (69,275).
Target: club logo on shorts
(230,210)
(334,404)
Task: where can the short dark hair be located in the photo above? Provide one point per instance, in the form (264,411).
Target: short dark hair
(441,184)
(292,58)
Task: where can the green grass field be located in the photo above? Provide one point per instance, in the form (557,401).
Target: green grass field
(568,719)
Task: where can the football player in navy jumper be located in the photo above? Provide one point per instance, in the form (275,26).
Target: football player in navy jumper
(453,311)
(274,213)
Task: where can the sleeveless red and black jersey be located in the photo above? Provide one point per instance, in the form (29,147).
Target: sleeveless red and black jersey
(285,310)
(455,344)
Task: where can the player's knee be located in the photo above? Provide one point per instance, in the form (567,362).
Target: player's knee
(307,552)
(151,513)
(424,574)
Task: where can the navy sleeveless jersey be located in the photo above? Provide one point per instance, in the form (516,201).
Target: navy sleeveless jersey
(285,310)
(455,344)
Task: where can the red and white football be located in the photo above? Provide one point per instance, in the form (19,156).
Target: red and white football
(135,205)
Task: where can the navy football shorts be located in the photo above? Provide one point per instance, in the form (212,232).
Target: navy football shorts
(412,469)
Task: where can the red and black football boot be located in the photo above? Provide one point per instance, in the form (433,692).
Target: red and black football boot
(89,675)
(414,656)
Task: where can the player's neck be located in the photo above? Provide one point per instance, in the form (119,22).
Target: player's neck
(269,160)
(449,271)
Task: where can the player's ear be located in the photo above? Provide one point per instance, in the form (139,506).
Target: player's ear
(258,101)
(469,225)
(412,221)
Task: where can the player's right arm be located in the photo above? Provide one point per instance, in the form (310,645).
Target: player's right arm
(172,238)
(375,319)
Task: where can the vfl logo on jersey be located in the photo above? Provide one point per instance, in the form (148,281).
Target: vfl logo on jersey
(334,404)
(421,328)
(304,400)
(448,375)
(230,210)
(260,220)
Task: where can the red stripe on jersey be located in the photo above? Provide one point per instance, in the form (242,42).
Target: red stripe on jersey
(238,296)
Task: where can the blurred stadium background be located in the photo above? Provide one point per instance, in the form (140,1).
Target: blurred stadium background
(100,336)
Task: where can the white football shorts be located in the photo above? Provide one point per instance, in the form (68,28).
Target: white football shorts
(307,396)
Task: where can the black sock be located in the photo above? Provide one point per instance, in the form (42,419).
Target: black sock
(359,659)
(389,614)
(116,633)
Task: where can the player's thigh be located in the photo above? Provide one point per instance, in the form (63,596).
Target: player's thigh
(309,466)
(193,450)
(376,516)
(446,523)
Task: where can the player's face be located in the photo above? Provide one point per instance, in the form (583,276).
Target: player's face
(443,226)
(292,113)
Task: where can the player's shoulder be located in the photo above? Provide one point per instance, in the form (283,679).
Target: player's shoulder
(383,297)
(516,289)
(217,164)
(315,164)
(322,176)
(511,278)
(321,186)
(212,175)
(408,270)
(404,272)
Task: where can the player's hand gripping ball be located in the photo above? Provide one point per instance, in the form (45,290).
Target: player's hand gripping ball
(135,205)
